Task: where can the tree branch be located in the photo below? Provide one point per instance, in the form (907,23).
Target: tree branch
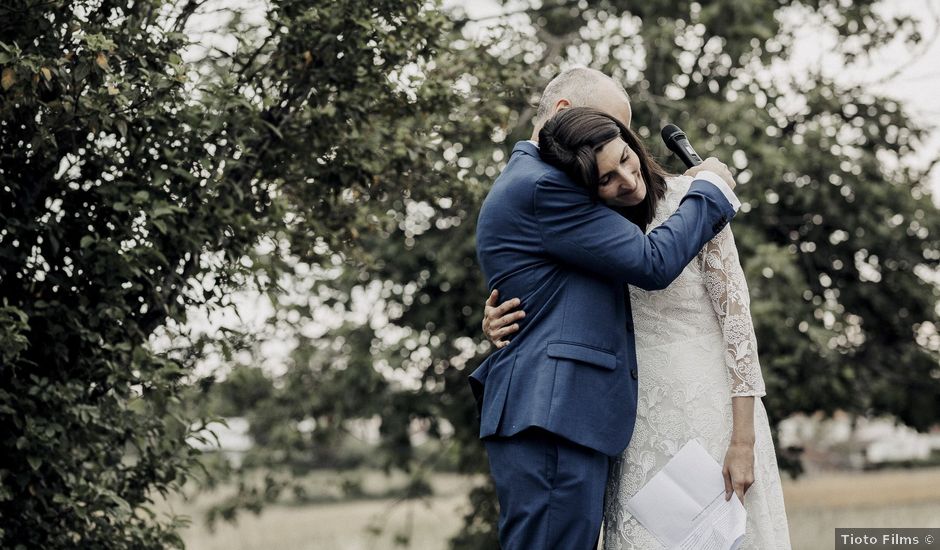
(925,47)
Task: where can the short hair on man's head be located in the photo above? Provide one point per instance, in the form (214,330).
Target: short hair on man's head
(577,85)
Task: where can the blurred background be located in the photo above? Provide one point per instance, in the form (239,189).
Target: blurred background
(240,297)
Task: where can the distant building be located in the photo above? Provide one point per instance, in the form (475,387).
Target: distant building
(232,438)
(844,441)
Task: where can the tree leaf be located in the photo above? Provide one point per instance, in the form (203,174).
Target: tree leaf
(8,79)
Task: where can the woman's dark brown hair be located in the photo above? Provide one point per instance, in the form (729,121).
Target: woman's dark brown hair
(570,141)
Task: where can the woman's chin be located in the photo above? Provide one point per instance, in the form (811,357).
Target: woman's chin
(627,203)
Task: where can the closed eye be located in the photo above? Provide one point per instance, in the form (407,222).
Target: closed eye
(624,157)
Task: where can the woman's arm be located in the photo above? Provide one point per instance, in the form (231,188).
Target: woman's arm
(727,289)
(739,460)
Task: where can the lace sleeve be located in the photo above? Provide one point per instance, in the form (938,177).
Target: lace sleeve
(727,288)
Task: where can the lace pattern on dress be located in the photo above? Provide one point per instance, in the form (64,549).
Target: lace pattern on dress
(695,349)
(726,286)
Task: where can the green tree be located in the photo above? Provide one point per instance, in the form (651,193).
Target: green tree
(838,239)
(135,187)
(335,156)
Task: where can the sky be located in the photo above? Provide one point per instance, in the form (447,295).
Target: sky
(916,86)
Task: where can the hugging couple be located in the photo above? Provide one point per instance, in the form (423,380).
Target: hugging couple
(630,323)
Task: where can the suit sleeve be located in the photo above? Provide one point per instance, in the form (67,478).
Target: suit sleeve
(586,234)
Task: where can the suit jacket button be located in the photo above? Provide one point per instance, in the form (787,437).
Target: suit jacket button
(633,373)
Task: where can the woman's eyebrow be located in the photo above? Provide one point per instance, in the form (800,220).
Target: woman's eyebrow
(623,156)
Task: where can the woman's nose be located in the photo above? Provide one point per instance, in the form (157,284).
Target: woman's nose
(627,180)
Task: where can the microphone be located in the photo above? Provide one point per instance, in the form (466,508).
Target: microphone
(677,142)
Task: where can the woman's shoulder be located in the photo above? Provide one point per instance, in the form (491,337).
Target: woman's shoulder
(676,188)
(678,185)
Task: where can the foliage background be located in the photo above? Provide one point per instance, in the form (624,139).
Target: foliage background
(161,159)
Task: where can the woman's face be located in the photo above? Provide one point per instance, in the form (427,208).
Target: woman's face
(620,182)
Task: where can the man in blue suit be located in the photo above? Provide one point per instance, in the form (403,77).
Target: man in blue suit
(561,400)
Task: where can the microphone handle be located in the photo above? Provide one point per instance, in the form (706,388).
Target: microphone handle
(686,153)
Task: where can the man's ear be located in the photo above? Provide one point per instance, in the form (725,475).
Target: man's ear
(561,105)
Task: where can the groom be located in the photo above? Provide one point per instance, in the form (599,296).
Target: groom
(558,402)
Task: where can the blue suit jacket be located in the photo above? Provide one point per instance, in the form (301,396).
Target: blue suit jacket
(571,369)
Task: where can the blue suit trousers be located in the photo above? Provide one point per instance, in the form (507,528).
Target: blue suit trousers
(551,491)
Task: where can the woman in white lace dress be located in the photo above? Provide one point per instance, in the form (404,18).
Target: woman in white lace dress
(699,378)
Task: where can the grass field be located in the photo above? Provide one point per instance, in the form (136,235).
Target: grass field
(815,507)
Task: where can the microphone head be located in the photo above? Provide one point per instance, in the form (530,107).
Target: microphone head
(677,142)
(670,133)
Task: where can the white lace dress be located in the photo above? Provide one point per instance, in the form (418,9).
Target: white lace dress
(695,349)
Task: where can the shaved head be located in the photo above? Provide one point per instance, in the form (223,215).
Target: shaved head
(583,87)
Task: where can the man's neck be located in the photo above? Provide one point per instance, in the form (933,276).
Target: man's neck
(535,134)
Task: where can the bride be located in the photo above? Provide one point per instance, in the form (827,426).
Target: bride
(699,375)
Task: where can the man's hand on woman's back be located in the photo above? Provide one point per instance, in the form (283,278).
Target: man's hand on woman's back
(712,164)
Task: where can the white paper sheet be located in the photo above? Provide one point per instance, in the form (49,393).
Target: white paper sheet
(684,504)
